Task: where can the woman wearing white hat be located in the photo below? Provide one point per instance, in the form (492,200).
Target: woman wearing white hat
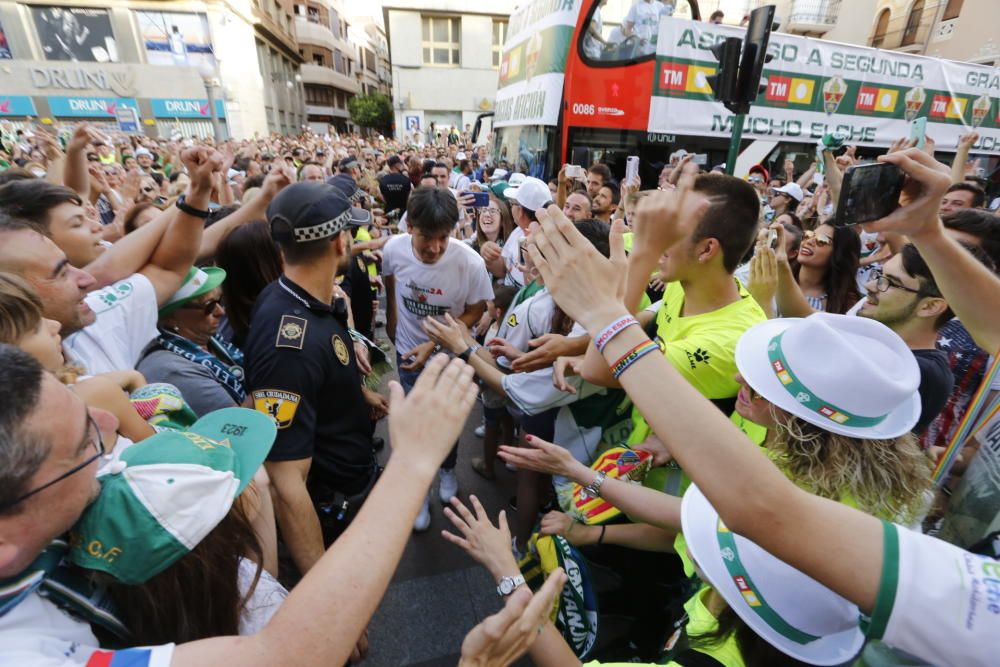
(919,594)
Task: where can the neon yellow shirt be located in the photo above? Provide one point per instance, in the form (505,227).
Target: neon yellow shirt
(364,235)
(702,347)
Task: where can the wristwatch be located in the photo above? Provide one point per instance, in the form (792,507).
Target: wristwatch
(469,351)
(593,490)
(508,585)
(182,205)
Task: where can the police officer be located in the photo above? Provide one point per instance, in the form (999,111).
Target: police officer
(302,371)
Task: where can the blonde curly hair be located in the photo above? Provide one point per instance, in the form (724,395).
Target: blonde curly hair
(886,478)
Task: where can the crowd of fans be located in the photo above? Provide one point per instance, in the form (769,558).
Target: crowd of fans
(722,408)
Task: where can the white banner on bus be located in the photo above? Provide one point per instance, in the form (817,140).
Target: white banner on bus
(815,87)
(534,62)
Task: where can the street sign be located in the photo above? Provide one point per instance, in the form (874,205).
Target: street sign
(128,120)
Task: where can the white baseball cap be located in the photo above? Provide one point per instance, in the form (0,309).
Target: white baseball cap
(516,179)
(532,194)
(792,612)
(498,175)
(460,155)
(868,390)
(792,190)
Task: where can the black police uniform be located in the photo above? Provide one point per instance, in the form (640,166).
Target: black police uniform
(301,370)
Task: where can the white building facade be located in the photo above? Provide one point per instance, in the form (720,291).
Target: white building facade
(445,59)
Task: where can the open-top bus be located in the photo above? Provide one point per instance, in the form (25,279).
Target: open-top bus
(586,80)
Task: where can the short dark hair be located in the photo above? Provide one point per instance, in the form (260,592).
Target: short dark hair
(978,195)
(914,265)
(982,224)
(717,14)
(33,199)
(731,218)
(434,211)
(616,194)
(21,454)
(601,170)
(597,232)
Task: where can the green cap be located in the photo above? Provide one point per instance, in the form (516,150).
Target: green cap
(197,283)
(163,495)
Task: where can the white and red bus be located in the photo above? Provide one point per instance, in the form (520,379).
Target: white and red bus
(586,80)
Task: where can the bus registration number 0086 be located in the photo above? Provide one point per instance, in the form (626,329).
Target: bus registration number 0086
(584,109)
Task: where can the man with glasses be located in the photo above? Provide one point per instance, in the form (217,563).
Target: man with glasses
(905,297)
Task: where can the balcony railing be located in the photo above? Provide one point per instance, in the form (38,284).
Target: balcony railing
(813,15)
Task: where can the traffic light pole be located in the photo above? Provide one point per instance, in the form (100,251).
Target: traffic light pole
(734,143)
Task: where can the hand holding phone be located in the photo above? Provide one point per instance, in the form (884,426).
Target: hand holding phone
(918,132)
(577,172)
(479,199)
(868,192)
(631,168)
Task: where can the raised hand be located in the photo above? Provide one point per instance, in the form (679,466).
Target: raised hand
(277,180)
(546,349)
(542,456)
(664,218)
(563,368)
(447,332)
(504,637)
(487,544)
(927,181)
(425,424)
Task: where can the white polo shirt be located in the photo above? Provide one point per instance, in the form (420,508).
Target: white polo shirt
(937,601)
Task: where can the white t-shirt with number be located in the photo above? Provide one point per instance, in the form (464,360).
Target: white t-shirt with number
(126,323)
(455,281)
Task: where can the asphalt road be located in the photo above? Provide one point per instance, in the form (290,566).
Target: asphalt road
(438,593)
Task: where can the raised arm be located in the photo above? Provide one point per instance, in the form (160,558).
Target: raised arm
(325,614)
(178,248)
(965,144)
(255,209)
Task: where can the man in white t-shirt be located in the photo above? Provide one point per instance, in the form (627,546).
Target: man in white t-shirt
(105,329)
(429,273)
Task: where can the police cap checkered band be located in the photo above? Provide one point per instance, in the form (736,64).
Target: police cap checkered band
(324,229)
(310,211)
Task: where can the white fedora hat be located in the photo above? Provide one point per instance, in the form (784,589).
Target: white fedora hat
(794,613)
(848,375)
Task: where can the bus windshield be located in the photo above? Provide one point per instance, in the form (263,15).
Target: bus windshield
(525,148)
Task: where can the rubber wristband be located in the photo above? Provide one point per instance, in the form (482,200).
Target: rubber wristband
(635,355)
(632,351)
(600,540)
(612,330)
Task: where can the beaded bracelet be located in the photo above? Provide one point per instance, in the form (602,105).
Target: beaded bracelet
(632,356)
(612,330)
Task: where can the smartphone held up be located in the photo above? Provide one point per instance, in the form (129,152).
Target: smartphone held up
(869,192)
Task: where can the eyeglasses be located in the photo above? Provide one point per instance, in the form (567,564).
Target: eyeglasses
(753,179)
(95,439)
(492,210)
(884,282)
(818,239)
(207,308)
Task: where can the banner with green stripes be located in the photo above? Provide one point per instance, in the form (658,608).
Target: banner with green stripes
(533,64)
(815,87)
